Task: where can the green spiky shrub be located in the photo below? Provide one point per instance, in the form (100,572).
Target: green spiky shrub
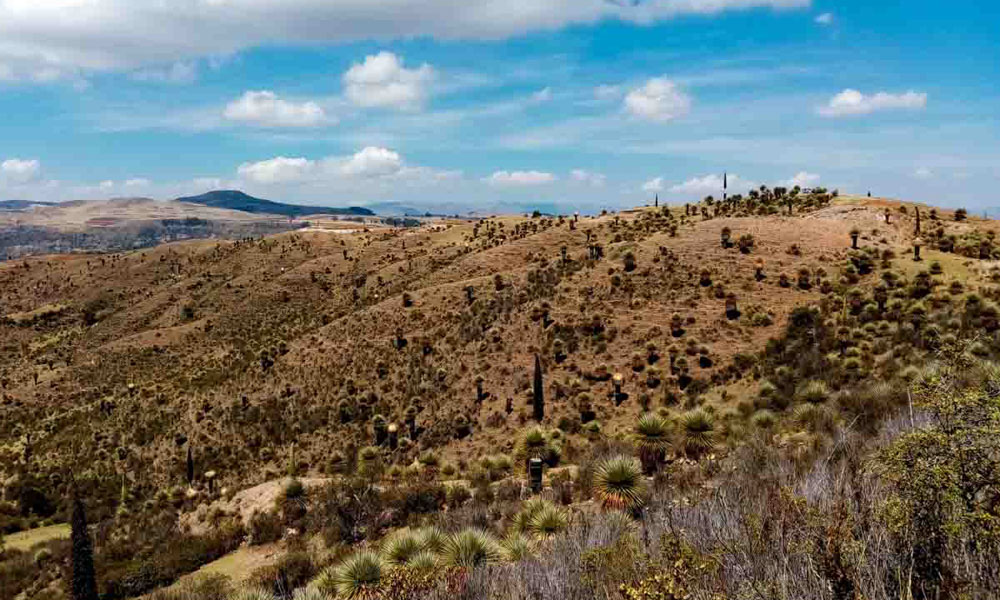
(397,549)
(431,539)
(517,547)
(814,392)
(697,433)
(548,521)
(618,483)
(422,560)
(252,594)
(354,576)
(522,520)
(471,548)
(652,437)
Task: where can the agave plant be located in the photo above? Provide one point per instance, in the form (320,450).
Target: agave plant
(548,521)
(355,574)
(517,547)
(471,548)
(397,549)
(697,433)
(652,436)
(618,483)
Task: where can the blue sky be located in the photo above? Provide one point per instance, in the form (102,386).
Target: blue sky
(498,105)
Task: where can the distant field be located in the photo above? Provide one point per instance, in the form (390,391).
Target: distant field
(25,540)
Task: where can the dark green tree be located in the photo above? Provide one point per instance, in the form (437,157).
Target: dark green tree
(84,581)
(538,397)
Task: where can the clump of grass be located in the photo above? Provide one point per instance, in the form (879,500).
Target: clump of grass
(814,392)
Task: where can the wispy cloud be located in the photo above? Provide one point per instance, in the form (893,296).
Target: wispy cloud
(519,178)
(852,103)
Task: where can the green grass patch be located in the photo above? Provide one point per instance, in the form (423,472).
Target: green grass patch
(25,540)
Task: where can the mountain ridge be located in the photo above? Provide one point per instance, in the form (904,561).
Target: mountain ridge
(238,200)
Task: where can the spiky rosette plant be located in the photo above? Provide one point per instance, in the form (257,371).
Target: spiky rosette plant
(471,548)
(252,594)
(422,560)
(398,548)
(530,507)
(547,521)
(517,547)
(307,593)
(431,539)
(697,433)
(354,576)
(537,444)
(652,437)
(618,483)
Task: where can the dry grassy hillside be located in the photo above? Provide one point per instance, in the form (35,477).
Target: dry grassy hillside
(257,353)
(162,382)
(78,215)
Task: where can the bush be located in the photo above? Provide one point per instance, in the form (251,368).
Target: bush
(265,527)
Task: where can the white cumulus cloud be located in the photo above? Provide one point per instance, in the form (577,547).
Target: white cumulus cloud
(824,19)
(265,109)
(802,179)
(653,185)
(711,184)
(519,178)
(852,102)
(370,164)
(382,81)
(280,169)
(588,177)
(18,171)
(69,35)
(658,100)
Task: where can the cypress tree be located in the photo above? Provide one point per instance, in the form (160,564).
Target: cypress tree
(538,397)
(84,581)
(190,466)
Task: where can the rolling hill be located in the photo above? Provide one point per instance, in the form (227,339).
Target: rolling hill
(237,200)
(188,379)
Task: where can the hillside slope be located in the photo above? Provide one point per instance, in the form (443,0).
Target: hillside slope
(260,352)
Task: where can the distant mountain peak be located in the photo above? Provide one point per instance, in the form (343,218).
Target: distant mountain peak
(20,204)
(238,200)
